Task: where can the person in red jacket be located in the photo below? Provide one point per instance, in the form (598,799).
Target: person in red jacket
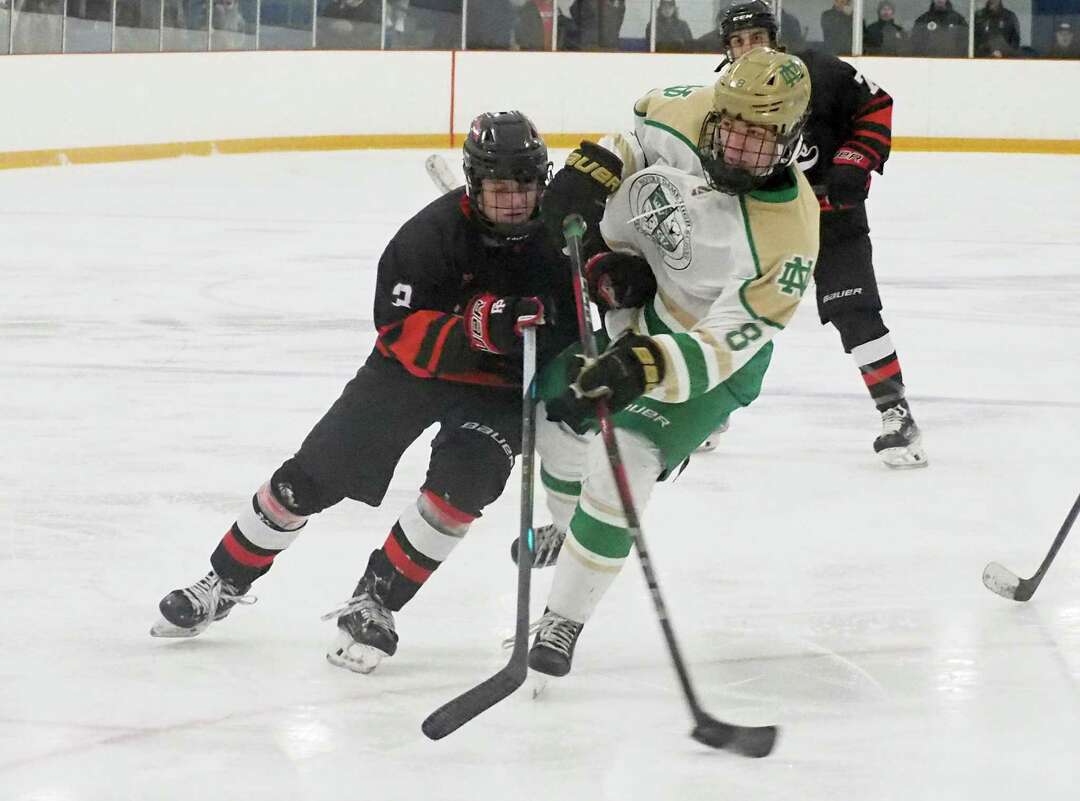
(456,287)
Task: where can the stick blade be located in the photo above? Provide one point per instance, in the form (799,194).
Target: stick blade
(748,741)
(1000,580)
(456,712)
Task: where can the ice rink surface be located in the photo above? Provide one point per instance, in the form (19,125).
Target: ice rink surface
(171,330)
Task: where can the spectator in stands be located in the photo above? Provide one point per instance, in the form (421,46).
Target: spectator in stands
(672,32)
(836,28)
(791,33)
(596,24)
(403,31)
(1066,44)
(350,24)
(940,31)
(535,26)
(886,37)
(997,31)
(490,24)
(228,17)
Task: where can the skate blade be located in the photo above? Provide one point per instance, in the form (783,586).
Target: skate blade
(163,628)
(354,656)
(909,457)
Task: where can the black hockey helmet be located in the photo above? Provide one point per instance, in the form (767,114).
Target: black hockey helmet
(744,16)
(505,146)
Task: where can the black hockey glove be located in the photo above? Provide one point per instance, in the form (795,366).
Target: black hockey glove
(631,366)
(591,175)
(495,325)
(619,280)
(849,178)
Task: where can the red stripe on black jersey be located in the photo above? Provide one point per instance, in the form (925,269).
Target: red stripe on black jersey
(440,343)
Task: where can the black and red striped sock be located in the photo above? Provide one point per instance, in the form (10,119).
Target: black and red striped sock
(421,540)
(260,533)
(880,368)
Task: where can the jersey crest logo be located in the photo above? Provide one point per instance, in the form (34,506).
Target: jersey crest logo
(660,214)
(808,157)
(795,276)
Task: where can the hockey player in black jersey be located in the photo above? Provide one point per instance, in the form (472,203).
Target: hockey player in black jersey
(848,137)
(456,287)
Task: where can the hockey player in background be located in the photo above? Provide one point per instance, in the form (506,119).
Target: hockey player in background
(696,272)
(456,286)
(848,137)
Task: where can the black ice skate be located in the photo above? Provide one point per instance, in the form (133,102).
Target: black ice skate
(365,629)
(547,542)
(553,649)
(188,612)
(900,442)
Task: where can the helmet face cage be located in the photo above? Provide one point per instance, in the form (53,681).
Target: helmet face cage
(744,17)
(738,156)
(505,149)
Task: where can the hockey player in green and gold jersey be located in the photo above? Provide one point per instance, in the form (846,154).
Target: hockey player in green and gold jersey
(697,270)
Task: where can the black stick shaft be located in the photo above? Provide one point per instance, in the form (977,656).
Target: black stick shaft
(460,710)
(1058,541)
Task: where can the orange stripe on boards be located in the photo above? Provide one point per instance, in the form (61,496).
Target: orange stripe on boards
(115,153)
(453,92)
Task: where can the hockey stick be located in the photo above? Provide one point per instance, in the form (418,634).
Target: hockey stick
(751,741)
(1007,584)
(439,173)
(459,711)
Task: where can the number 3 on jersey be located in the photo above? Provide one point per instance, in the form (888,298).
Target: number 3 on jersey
(402,295)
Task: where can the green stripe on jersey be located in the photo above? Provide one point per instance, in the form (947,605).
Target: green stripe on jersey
(677,134)
(654,324)
(694,359)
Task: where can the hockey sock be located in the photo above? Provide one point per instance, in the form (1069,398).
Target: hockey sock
(420,541)
(263,530)
(562,497)
(880,369)
(563,456)
(586,569)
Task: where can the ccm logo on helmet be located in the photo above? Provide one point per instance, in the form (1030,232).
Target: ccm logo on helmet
(594,170)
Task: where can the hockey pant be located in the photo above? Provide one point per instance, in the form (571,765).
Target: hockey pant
(654,439)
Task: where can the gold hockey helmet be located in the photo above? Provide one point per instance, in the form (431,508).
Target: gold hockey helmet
(760,104)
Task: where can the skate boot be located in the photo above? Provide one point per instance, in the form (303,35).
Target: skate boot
(188,612)
(365,628)
(709,445)
(553,649)
(547,542)
(900,443)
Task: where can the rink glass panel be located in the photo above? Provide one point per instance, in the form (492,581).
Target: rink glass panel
(1047,28)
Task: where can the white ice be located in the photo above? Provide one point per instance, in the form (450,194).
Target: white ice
(171,330)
